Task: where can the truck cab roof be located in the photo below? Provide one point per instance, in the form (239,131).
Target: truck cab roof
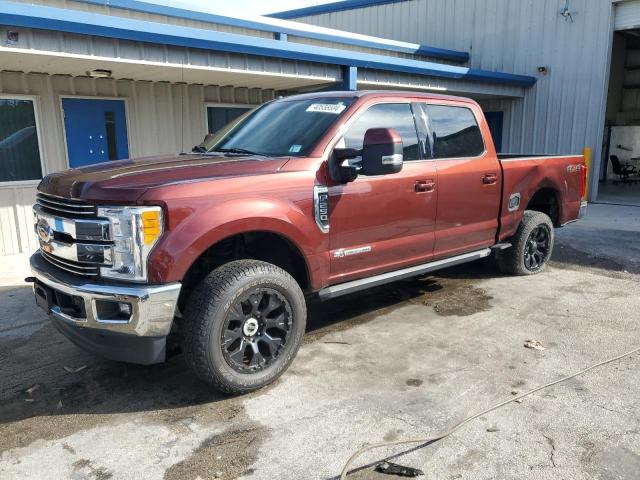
(377,94)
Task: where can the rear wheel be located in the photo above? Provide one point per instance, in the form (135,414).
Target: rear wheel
(531,248)
(243,325)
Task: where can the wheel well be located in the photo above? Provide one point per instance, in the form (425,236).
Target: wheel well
(545,200)
(266,246)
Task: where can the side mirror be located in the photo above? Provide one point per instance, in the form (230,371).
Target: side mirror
(381,152)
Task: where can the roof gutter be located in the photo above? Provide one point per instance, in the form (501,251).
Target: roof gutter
(78,22)
(278,26)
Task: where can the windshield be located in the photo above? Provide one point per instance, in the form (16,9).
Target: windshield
(281,128)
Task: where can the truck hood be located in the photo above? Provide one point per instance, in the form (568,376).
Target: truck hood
(124,181)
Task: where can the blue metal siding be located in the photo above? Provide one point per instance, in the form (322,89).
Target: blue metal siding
(49,18)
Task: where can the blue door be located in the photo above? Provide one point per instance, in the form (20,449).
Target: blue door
(96,130)
(494,119)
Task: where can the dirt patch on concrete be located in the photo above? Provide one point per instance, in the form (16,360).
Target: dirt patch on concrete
(451,292)
(456,297)
(46,402)
(86,469)
(351,310)
(565,256)
(224,456)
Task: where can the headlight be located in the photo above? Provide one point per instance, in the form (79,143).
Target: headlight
(134,231)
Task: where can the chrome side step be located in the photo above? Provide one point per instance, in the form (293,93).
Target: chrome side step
(364,283)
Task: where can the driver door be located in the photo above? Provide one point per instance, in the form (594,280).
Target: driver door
(385,222)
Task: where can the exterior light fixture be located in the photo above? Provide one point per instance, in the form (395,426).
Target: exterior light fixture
(99,73)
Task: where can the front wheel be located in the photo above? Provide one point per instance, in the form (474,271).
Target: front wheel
(243,325)
(531,248)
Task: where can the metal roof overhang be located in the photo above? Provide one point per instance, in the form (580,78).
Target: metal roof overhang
(73,21)
(277,25)
(57,63)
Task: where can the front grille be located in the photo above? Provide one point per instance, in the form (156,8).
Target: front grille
(78,268)
(64,206)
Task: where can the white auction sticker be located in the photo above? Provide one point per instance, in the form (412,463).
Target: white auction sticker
(334,108)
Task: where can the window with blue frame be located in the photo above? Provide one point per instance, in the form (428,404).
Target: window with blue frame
(219,116)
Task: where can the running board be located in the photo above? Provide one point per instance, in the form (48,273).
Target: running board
(364,283)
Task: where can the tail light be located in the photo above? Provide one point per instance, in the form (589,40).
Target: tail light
(583,181)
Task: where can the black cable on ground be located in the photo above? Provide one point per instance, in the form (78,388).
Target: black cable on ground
(438,437)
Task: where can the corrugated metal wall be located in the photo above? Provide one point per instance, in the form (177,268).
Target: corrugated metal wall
(565,110)
(121,12)
(155,125)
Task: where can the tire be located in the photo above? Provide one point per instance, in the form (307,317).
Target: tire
(231,324)
(518,259)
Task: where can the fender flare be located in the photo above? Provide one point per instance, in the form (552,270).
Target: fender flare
(198,232)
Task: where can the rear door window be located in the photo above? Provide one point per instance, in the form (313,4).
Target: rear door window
(449,132)
(398,116)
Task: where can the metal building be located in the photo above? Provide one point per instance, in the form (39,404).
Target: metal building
(567,45)
(87,81)
(90,81)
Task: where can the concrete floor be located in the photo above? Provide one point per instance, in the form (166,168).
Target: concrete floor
(620,193)
(404,360)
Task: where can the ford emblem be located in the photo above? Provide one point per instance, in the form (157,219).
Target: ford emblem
(44,231)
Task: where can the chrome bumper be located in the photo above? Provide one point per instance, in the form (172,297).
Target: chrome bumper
(583,210)
(152,306)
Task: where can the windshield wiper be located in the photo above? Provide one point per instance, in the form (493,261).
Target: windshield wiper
(199,149)
(239,151)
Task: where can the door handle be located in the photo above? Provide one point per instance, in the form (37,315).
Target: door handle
(425,186)
(490,179)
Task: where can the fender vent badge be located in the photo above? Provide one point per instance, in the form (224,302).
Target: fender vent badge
(514,202)
(321,207)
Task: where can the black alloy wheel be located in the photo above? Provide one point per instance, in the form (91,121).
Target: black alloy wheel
(256,330)
(537,247)
(243,325)
(531,245)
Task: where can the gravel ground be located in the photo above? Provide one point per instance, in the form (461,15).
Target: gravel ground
(404,360)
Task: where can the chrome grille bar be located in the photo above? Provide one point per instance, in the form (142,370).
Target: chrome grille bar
(71,266)
(58,205)
(71,236)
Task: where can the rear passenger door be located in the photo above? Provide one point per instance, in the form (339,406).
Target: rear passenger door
(469,177)
(387,221)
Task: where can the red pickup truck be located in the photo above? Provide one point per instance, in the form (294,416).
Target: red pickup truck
(323,193)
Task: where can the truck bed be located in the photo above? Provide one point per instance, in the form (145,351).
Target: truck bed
(554,181)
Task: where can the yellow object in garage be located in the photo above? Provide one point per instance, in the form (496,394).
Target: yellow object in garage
(587,153)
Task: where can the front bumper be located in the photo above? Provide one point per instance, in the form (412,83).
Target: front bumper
(152,312)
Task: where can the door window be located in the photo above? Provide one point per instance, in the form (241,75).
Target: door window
(398,116)
(19,151)
(451,132)
(112,140)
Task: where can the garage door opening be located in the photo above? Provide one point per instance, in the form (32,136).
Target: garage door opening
(620,168)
